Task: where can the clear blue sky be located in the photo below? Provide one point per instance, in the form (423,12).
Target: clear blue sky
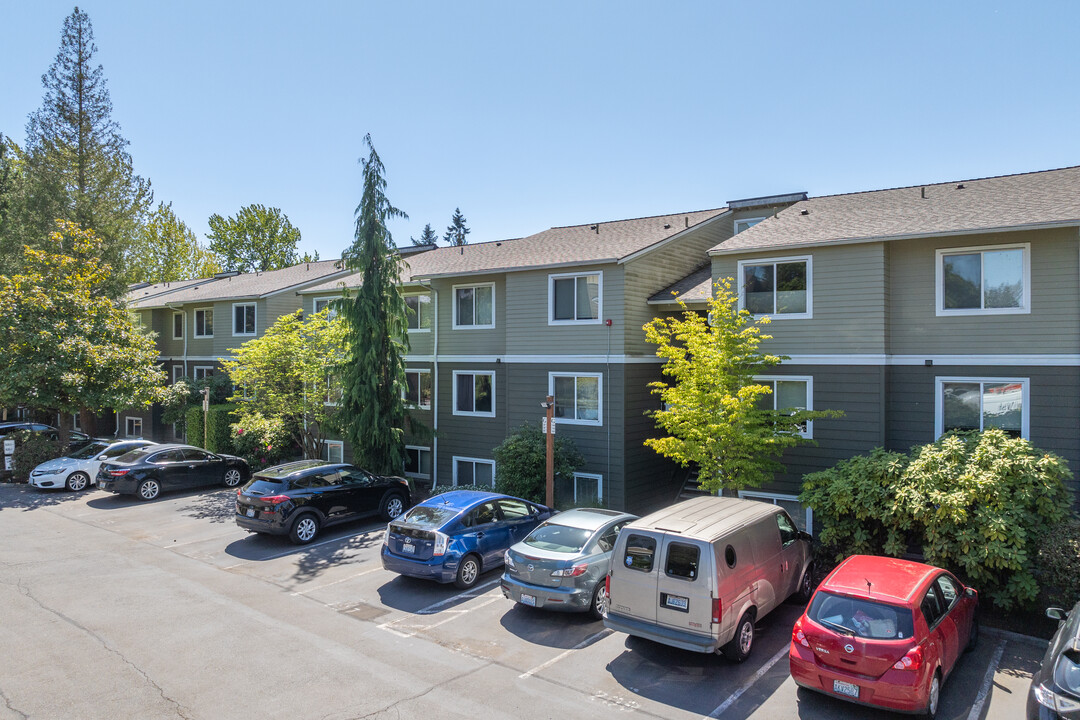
(528,115)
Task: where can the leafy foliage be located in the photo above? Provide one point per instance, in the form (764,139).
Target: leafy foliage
(975,502)
(11,198)
(262,441)
(256,240)
(77,166)
(713,407)
(427,237)
(456,231)
(219,419)
(165,250)
(32,449)
(289,376)
(375,319)
(66,345)
(521,462)
(1057,565)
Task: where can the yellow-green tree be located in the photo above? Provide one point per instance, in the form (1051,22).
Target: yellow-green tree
(165,250)
(714,412)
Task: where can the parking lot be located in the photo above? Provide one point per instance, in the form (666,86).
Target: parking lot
(117,608)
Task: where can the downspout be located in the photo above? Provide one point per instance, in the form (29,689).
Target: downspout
(435,390)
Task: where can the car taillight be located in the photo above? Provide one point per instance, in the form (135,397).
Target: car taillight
(717,611)
(441,541)
(118,472)
(273,500)
(508,560)
(797,634)
(571,571)
(386,535)
(911,661)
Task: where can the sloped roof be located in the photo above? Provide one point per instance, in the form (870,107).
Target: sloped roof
(694,288)
(1039,199)
(226,287)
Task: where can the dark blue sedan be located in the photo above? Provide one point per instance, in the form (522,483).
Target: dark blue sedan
(456,536)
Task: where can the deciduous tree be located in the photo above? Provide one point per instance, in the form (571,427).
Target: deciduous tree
(165,250)
(257,239)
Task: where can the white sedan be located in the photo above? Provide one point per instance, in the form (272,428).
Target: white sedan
(80,468)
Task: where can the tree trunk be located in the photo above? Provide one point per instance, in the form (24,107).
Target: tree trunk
(88,422)
(65,425)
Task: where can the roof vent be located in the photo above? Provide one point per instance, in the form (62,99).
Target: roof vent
(227,273)
(960,186)
(805,212)
(667,226)
(923,193)
(595,228)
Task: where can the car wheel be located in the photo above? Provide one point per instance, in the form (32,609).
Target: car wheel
(304,529)
(933,697)
(740,646)
(599,606)
(468,572)
(149,489)
(77,481)
(973,636)
(806,585)
(393,504)
(233,477)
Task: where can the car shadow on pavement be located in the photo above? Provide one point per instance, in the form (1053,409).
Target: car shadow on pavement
(560,630)
(25,497)
(217,507)
(313,561)
(412,595)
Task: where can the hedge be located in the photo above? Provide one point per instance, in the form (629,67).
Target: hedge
(219,434)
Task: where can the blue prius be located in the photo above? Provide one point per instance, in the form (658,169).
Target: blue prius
(456,536)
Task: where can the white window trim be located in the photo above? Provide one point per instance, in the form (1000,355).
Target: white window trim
(128,419)
(245,334)
(599,485)
(753,495)
(315,301)
(177,373)
(340,445)
(478,461)
(421,405)
(183,324)
(421,476)
(939,280)
(195,371)
(195,324)
(939,400)
(491,373)
(453,307)
(808,259)
(809,380)
(428,295)
(599,422)
(599,294)
(741,221)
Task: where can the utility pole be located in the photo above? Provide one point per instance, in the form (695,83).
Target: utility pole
(549,432)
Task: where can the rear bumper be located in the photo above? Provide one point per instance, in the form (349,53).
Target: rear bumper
(124,487)
(565,599)
(658,633)
(895,690)
(442,568)
(270,527)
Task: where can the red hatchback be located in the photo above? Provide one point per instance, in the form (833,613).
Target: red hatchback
(884,632)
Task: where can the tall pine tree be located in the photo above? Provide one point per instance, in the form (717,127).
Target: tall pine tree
(428,237)
(376,325)
(456,231)
(77,167)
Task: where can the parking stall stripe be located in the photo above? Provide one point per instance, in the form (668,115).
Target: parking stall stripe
(988,679)
(748,684)
(583,644)
(474,592)
(430,609)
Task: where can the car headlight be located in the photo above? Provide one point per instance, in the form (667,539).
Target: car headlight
(1054,701)
(55,471)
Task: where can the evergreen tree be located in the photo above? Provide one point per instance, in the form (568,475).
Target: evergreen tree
(428,237)
(257,239)
(165,249)
(376,324)
(77,165)
(11,186)
(456,231)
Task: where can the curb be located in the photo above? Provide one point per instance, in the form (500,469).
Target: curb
(1015,637)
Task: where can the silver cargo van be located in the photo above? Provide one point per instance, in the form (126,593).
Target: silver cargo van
(698,574)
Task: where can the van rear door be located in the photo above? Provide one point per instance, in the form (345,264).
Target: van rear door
(685,598)
(634,572)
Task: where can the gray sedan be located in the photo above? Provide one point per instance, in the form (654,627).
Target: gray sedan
(562,564)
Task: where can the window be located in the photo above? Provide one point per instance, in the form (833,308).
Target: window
(789,393)
(514,509)
(333,451)
(781,287)
(983,280)
(483,515)
(243,319)
(177,373)
(574,298)
(588,489)
(639,553)
(133,426)
(76,423)
(982,403)
(788,533)
(474,393)
(320,304)
(803,517)
(682,561)
(950,591)
(419,312)
(201,372)
(204,323)
(577,397)
(334,391)
(178,325)
(474,306)
(932,607)
(471,471)
(418,461)
(745,223)
(417,392)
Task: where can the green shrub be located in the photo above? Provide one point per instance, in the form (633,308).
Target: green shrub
(974,502)
(521,462)
(32,449)
(1057,565)
(261,441)
(219,418)
(440,489)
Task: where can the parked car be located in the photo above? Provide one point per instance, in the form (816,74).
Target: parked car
(699,574)
(299,498)
(146,471)
(456,536)
(1055,688)
(884,632)
(563,563)
(78,470)
(76,439)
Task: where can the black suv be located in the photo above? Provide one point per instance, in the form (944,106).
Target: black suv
(299,498)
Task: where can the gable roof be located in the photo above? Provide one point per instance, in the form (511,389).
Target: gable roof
(694,288)
(1050,198)
(233,287)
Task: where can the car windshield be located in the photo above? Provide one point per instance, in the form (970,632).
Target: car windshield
(428,516)
(558,538)
(861,617)
(89,451)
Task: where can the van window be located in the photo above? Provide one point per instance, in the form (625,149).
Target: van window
(788,533)
(639,553)
(682,561)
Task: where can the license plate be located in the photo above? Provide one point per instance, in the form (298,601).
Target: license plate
(845,688)
(251,512)
(408,549)
(677,602)
(529,600)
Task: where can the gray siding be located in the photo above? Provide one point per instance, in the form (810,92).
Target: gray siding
(468,341)
(652,481)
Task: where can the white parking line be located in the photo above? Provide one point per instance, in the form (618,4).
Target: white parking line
(472,592)
(583,644)
(350,577)
(748,684)
(988,679)
(389,626)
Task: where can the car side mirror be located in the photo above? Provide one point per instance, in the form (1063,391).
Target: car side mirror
(1055,613)
(803,535)
(100,457)
(969,592)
